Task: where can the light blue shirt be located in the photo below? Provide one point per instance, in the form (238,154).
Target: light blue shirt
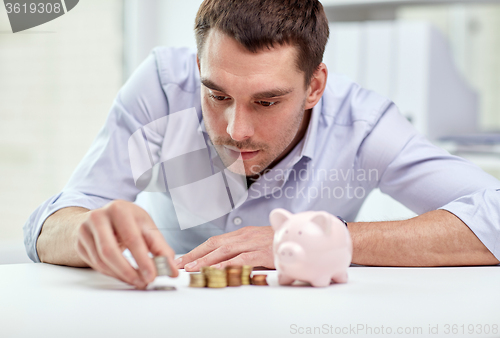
(356,141)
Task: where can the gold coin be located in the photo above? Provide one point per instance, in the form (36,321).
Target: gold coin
(259,280)
(217,285)
(205,269)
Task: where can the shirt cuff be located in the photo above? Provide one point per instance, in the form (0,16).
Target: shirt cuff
(33,225)
(480,211)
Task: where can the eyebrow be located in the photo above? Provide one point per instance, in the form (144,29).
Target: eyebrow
(212,85)
(262,95)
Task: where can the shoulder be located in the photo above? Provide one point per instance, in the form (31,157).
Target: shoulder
(177,66)
(347,103)
(167,81)
(368,124)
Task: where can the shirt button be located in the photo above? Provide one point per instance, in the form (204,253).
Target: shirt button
(237,220)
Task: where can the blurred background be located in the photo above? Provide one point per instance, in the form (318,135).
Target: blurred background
(438,60)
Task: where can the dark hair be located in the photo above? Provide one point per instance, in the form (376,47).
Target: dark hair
(259,24)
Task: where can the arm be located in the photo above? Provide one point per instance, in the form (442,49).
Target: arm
(63,230)
(57,241)
(458,203)
(435,238)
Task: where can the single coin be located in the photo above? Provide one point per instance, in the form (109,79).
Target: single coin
(234,267)
(164,288)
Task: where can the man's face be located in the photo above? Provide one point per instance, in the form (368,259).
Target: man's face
(253,103)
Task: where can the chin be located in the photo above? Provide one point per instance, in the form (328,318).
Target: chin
(243,168)
(237,168)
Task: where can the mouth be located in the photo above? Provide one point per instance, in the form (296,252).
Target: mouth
(246,154)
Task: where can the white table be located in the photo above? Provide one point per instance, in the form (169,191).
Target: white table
(41,300)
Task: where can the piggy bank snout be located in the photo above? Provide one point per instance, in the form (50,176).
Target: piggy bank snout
(290,252)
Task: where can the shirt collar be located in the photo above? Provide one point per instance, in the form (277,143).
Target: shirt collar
(312,131)
(202,127)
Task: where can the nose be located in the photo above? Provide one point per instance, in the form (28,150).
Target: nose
(286,252)
(239,124)
(290,252)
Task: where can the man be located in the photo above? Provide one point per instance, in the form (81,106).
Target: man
(260,91)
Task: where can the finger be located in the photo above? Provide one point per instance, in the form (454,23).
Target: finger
(86,246)
(159,247)
(86,258)
(109,252)
(191,260)
(86,242)
(127,227)
(253,258)
(82,253)
(222,253)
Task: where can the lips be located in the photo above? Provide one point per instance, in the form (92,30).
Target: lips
(245,154)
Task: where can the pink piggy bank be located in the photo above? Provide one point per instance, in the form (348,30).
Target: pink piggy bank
(311,246)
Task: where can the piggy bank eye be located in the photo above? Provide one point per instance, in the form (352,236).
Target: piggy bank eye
(286,232)
(300,232)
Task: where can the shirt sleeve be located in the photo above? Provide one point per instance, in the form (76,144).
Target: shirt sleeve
(105,172)
(425,177)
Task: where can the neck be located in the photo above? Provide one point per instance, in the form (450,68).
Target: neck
(298,137)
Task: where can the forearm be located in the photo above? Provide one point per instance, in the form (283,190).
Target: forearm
(436,238)
(57,241)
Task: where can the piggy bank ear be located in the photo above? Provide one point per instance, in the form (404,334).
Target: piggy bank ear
(278,217)
(323,220)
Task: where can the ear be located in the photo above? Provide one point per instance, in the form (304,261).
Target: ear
(324,221)
(278,217)
(317,86)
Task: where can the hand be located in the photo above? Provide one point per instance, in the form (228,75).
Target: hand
(247,246)
(120,225)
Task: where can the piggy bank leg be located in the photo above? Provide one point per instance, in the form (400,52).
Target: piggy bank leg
(285,280)
(321,282)
(340,278)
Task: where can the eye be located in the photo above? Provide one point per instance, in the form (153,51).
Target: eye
(266,103)
(219,97)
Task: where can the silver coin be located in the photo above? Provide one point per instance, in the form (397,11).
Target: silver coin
(164,288)
(162,266)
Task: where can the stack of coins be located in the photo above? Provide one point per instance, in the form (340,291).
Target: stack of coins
(197,280)
(216,278)
(259,280)
(162,266)
(246,270)
(233,274)
(204,271)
